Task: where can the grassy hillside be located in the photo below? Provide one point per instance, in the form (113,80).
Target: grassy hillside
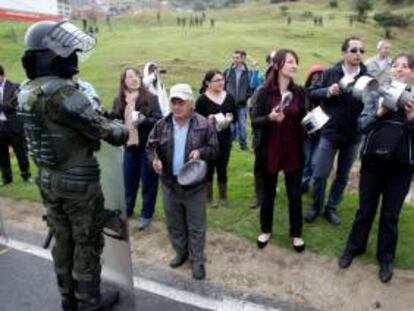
(188,53)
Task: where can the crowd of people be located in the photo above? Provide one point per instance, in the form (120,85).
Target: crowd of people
(161,133)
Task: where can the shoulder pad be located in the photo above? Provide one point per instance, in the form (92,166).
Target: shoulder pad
(51,85)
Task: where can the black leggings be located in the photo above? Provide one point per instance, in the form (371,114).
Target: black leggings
(293,189)
(221,162)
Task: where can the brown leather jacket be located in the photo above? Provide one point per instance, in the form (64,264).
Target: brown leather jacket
(201,136)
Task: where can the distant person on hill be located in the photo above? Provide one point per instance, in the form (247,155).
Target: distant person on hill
(219,108)
(277,118)
(340,135)
(212,23)
(237,84)
(379,65)
(386,172)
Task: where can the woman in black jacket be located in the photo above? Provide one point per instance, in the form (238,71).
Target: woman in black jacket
(280,143)
(386,171)
(139,111)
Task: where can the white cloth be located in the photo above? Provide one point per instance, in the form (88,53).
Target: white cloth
(2,115)
(158,89)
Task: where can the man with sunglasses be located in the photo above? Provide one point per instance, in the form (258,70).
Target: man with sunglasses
(339,135)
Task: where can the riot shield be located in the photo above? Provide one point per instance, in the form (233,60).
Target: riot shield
(116,257)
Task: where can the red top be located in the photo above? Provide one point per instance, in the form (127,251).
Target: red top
(285,139)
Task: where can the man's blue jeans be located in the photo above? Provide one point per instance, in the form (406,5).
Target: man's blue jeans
(238,129)
(325,156)
(310,146)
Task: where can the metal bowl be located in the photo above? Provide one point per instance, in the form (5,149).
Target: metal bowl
(364,85)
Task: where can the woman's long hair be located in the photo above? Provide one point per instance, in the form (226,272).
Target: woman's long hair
(207,78)
(278,62)
(144,97)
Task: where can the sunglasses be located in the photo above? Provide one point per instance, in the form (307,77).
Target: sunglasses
(356,50)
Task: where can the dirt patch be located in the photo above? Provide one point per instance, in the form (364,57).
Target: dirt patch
(308,278)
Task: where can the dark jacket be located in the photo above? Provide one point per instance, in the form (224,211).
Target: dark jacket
(369,123)
(8,107)
(152,114)
(343,109)
(201,136)
(244,85)
(261,122)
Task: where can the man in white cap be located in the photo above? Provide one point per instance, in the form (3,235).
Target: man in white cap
(181,136)
(379,65)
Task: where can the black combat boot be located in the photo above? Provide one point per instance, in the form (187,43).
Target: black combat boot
(67,290)
(91,298)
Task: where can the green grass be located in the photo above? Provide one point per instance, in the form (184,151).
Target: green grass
(187,54)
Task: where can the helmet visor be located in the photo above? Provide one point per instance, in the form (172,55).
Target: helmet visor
(65,38)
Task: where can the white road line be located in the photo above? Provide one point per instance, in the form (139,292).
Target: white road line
(189,298)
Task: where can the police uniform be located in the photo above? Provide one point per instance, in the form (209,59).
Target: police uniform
(63,132)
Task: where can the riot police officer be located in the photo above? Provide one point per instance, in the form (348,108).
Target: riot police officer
(63,132)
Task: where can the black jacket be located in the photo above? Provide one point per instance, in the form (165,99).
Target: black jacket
(369,123)
(343,109)
(151,111)
(8,107)
(261,121)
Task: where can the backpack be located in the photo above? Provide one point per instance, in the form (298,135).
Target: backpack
(388,142)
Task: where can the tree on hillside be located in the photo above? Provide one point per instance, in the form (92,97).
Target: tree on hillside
(362,7)
(387,20)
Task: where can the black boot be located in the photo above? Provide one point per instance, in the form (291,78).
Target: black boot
(209,191)
(91,298)
(115,225)
(223,194)
(67,290)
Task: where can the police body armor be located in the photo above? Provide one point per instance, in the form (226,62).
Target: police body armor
(63,131)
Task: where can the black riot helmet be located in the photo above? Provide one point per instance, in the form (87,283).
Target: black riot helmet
(53,48)
(62,38)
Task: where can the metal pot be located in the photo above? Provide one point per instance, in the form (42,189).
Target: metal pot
(363,86)
(314,120)
(192,173)
(395,94)
(346,83)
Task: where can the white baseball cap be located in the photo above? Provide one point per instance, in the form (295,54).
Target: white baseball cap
(182,91)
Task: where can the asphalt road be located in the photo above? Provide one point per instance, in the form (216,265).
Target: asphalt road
(27,283)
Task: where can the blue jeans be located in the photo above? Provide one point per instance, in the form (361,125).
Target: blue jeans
(136,167)
(238,129)
(325,156)
(309,149)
